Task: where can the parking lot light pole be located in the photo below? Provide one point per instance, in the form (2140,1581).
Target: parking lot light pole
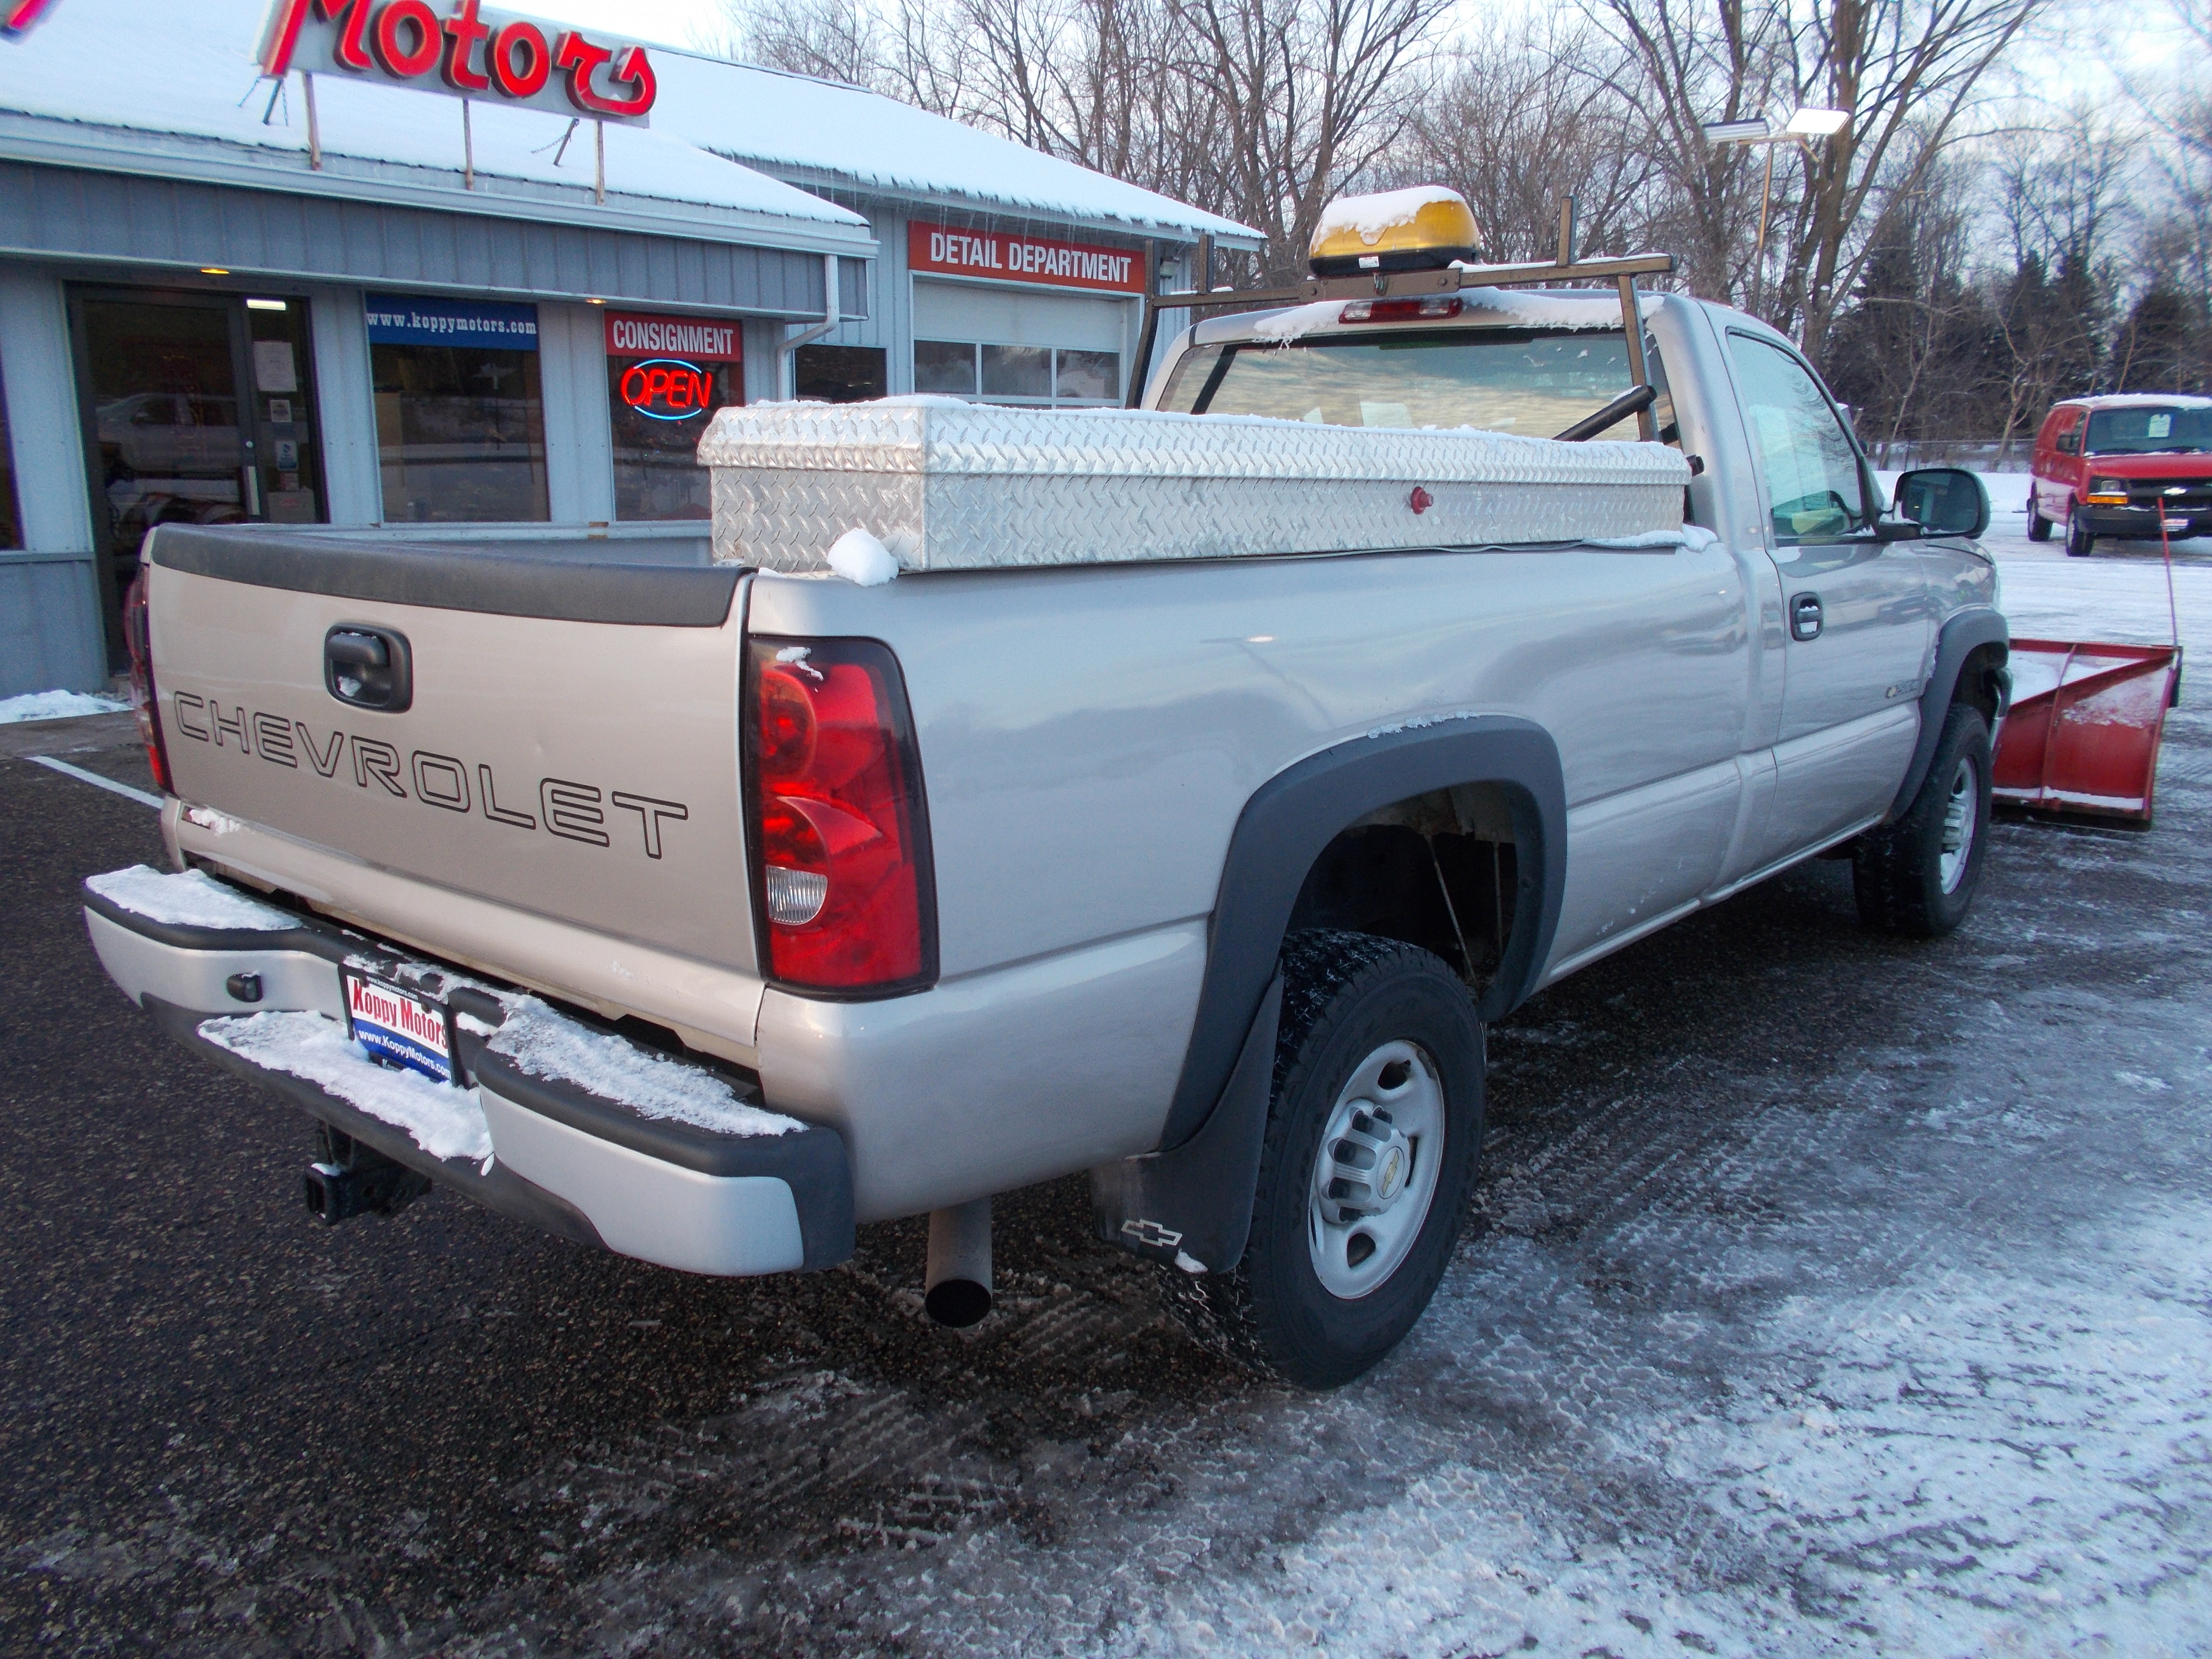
(1800,130)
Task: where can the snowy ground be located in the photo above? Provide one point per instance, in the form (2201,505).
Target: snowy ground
(56,706)
(1823,1294)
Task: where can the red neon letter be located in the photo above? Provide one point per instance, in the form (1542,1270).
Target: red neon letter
(284,25)
(630,68)
(634,386)
(580,57)
(462,34)
(537,61)
(406,61)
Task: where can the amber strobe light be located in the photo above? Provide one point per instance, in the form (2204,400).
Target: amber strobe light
(839,829)
(138,635)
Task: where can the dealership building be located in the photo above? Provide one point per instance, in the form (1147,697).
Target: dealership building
(322,297)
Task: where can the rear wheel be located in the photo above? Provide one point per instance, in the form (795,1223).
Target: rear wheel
(2039,527)
(1916,877)
(1369,1150)
(2080,539)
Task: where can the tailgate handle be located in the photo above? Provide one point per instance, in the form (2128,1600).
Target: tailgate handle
(368,668)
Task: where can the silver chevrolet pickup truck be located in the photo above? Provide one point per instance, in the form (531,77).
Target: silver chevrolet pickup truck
(699,913)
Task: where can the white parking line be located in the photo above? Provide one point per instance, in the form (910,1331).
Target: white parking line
(84,777)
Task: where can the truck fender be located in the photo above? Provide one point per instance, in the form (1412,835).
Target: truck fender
(1961,637)
(1190,1201)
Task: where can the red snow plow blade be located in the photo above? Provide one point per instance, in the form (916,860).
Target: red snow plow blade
(2082,735)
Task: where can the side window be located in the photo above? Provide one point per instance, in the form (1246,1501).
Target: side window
(1814,486)
(2069,437)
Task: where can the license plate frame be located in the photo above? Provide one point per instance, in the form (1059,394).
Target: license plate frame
(399,1026)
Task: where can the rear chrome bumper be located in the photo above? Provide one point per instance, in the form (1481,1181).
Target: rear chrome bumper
(581,1166)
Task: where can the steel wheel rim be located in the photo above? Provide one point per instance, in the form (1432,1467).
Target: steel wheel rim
(1959,813)
(1363,1212)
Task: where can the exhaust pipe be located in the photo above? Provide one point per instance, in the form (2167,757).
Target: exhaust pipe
(350,1179)
(958,1286)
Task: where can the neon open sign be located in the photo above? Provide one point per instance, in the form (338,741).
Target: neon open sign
(666,389)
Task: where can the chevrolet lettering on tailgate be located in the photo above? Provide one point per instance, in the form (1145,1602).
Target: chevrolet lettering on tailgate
(567,808)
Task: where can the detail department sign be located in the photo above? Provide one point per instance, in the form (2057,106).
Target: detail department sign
(950,251)
(466,51)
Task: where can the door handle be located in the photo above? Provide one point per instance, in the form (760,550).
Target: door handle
(369,668)
(1804,617)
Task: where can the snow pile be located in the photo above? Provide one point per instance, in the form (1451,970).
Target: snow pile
(192,899)
(443,1120)
(862,560)
(548,1044)
(1371,217)
(56,706)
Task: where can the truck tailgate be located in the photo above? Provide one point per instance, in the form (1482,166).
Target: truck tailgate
(568,746)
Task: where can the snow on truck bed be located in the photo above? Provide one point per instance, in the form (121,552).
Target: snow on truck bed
(948,485)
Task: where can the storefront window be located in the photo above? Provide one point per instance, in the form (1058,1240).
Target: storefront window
(461,419)
(944,366)
(11,517)
(1056,376)
(841,374)
(666,377)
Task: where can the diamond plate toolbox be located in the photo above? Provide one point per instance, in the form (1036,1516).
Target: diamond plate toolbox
(953,486)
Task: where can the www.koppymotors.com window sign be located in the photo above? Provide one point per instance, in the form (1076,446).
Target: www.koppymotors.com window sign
(469,52)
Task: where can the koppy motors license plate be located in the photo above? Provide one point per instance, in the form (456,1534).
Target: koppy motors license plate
(397,1026)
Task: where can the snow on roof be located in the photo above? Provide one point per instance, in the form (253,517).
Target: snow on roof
(718,129)
(159,68)
(2138,400)
(827,133)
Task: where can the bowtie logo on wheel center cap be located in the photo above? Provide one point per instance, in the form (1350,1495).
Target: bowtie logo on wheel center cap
(1394,1167)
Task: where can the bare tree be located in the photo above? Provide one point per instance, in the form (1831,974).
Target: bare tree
(1908,71)
(1520,123)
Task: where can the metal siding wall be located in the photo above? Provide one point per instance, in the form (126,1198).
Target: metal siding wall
(345,405)
(49,628)
(74,213)
(578,437)
(51,634)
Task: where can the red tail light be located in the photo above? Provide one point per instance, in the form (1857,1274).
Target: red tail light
(138,635)
(843,885)
(1432,309)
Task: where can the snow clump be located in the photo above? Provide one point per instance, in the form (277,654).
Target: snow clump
(859,558)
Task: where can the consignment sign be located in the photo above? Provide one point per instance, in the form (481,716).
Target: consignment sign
(954,251)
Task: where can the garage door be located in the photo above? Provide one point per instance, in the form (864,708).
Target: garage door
(1008,345)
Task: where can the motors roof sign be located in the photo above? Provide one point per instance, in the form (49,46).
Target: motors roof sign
(955,251)
(468,52)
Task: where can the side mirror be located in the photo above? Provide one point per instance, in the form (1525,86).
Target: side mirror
(1944,501)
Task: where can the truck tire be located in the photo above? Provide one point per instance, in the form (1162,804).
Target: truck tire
(2078,540)
(1916,877)
(1377,1097)
(2039,527)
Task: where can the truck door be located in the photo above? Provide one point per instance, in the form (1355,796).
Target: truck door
(1854,609)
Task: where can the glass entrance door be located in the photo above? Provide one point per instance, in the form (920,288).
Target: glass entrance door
(198,410)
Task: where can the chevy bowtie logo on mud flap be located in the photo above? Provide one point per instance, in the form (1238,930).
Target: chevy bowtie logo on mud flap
(570,809)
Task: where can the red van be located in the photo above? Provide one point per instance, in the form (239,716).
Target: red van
(2121,466)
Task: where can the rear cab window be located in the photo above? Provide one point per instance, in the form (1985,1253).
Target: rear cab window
(1532,382)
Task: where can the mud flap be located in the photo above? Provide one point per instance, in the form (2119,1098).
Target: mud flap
(1192,1205)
